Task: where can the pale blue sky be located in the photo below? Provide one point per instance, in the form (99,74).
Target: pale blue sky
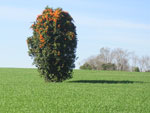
(100,23)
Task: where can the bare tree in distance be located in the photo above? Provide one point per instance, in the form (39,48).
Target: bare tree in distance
(121,59)
(135,60)
(105,55)
(95,62)
(144,63)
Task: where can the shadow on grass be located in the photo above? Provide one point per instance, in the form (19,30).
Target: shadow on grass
(105,81)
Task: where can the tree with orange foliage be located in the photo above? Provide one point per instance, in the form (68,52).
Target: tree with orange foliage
(53,44)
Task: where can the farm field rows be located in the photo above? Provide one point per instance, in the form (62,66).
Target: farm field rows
(23,91)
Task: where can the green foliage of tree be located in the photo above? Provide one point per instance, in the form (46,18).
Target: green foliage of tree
(136,69)
(86,66)
(108,66)
(53,44)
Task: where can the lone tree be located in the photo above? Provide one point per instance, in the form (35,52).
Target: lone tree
(53,44)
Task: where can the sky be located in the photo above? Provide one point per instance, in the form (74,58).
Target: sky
(99,23)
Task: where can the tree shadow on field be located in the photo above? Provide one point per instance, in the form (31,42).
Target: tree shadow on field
(105,81)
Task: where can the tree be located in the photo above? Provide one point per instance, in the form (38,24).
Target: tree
(105,55)
(134,62)
(136,69)
(121,59)
(144,63)
(108,66)
(94,62)
(53,44)
(86,66)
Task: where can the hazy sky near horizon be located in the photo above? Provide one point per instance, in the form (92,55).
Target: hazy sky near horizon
(100,23)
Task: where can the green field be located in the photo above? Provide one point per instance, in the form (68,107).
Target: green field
(23,91)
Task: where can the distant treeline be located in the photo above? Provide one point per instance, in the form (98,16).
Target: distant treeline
(117,59)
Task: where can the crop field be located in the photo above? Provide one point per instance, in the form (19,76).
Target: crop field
(23,91)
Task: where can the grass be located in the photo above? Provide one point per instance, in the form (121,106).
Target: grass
(23,91)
